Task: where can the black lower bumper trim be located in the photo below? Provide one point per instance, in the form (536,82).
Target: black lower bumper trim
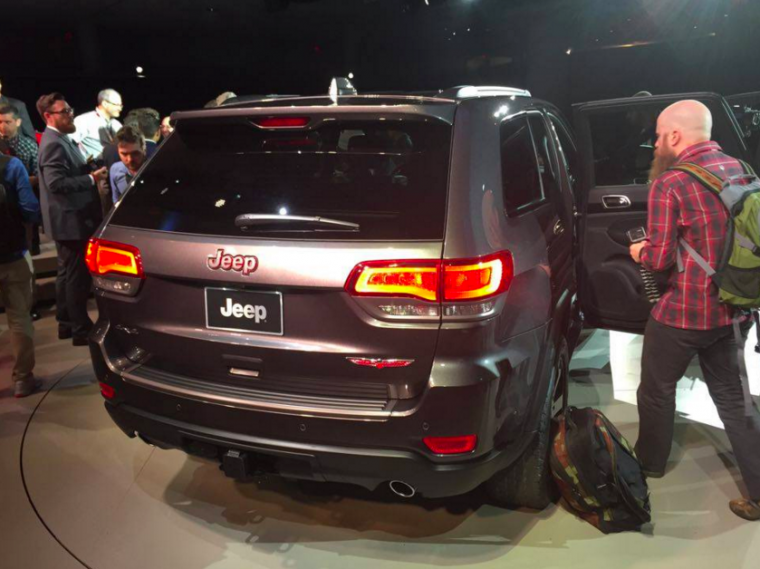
(366,467)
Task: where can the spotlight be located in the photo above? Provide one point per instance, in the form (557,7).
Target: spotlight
(139,69)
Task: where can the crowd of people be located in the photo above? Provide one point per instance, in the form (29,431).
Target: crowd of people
(66,179)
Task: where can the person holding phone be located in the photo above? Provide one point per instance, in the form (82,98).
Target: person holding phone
(689,320)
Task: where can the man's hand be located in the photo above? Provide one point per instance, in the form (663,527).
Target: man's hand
(100,174)
(635,250)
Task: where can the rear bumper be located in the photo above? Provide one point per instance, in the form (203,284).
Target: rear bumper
(361,450)
(366,467)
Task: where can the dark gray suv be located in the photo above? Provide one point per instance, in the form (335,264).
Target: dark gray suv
(370,289)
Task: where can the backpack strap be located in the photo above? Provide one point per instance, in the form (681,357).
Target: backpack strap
(702,175)
(739,340)
(747,168)
(698,259)
(711,182)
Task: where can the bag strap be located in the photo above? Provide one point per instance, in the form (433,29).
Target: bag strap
(712,183)
(620,482)
(702,175)
(698,259)
(739,339)
(748,169)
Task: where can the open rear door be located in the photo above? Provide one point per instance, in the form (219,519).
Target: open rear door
(617,146)
(746,109)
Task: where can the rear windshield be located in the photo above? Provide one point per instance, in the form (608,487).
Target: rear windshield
(388,177)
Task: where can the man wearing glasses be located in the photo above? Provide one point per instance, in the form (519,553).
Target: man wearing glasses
(71,211)
(97,128)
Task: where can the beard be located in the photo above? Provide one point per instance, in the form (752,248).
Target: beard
(662,161)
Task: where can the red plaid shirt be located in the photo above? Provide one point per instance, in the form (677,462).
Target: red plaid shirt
(681,207)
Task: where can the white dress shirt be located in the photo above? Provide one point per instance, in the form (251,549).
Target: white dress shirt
(94,131)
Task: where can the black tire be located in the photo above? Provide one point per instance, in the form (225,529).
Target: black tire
(528,483)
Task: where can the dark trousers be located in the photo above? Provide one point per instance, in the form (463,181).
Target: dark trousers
(72,288)
(667,353)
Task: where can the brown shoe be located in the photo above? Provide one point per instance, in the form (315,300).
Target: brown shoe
(747,509)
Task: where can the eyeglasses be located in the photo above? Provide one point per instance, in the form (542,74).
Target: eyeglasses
(121,106)
(66,111)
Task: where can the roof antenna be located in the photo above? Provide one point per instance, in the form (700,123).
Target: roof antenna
(341,87)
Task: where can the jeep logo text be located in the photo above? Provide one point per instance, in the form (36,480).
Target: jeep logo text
(237,310)
(245,264)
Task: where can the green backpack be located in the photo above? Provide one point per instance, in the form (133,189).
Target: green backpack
(737,274)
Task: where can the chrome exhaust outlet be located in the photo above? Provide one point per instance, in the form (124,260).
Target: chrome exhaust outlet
(400,488)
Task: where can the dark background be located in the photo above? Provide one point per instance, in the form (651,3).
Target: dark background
(192,50)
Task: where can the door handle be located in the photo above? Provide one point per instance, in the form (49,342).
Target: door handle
(559,228)
(616,202)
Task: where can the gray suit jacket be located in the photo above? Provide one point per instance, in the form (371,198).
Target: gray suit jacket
(70,201)
(26,122)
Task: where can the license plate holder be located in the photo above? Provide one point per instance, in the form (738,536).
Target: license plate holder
(234,310)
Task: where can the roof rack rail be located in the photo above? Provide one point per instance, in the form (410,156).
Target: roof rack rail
(472,92)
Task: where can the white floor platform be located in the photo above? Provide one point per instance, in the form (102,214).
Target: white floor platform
(75,492)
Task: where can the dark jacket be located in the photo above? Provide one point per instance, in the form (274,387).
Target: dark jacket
(26,122)
(71,207)
(18,206)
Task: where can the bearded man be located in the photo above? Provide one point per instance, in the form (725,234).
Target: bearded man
(689,320)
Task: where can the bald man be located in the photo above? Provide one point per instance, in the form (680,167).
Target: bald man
(689,320)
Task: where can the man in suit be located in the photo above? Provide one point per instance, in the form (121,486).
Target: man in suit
(27,128)
(71,213)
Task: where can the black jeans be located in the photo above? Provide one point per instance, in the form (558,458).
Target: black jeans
(667,353)
(72,288)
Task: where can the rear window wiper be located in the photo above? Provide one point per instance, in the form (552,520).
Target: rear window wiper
(248,220)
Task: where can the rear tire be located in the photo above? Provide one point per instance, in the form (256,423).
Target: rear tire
(528,483)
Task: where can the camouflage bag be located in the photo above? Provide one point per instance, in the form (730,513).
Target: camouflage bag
(598,473)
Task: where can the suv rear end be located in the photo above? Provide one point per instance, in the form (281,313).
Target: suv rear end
(276,293)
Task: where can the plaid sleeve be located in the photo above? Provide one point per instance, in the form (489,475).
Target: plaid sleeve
(660,252)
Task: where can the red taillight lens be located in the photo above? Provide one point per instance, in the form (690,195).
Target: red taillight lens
(107,391)
(477,278)
(396,278)
(460,280)
(281,122)
(451,445)
(104,257)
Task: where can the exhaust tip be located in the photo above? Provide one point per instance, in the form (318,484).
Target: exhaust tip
(401,488)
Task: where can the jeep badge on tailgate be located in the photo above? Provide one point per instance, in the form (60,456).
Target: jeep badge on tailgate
(245,264)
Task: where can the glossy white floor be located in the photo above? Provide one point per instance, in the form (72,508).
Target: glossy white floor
(73,487)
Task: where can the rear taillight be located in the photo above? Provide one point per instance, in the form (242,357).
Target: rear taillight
(477,279)
(452,280)
(107,257)
(396,278)
(451,445)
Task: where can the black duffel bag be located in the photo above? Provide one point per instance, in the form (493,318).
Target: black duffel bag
(598,473)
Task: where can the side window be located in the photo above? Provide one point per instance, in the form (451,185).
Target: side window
(519,171)
(623,142)
(547,167)
(566,149)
